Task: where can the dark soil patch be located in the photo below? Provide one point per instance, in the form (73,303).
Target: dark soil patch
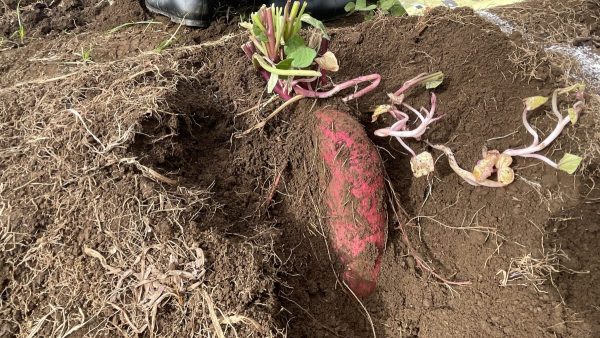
(56,17)
(267,258)
(576,231)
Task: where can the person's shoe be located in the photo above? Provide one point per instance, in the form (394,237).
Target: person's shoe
(194,13)
(320,9)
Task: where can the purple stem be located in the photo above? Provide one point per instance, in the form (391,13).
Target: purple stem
(322,50)
(303,80)
(323,80)
(324,47)
(560,125)
(399,126)
(373,78)
(249,49)
(277,89)
(270,34)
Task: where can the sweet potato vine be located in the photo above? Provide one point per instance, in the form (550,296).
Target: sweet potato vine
(494,161)
(292,66)
(421,164)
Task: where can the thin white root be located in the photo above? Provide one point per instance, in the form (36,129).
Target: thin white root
(261,124)
(148,172)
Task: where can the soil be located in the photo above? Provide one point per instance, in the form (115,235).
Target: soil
(120,172)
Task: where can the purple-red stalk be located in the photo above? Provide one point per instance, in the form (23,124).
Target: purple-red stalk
(249,49)
(271,34)
(373,78)
(286,16)
(323,81)
(277,89)
(324,47)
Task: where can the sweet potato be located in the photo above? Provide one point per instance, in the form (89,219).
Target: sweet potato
(355,198)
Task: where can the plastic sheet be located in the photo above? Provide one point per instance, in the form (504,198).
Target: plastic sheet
(417,7)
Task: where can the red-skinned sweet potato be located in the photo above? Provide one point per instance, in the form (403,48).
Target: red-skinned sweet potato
(355,199)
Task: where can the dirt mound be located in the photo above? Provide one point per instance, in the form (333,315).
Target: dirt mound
(53,17)
(57,17)
(129,205)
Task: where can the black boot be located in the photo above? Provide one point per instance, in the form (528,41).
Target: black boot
(195,13)
(320,9)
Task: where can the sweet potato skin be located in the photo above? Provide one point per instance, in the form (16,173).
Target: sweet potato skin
(355,198)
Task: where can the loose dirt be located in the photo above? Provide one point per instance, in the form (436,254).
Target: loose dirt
(129,203)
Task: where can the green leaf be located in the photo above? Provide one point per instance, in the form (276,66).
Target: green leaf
(272,82)
(368,8)
(398,10)
(534,102)
(386,5)
(297,50)
(306,18)
(285,64)
(380,110)
(349,7)
(572,115)
(369,15)
(569,163)
(302,57)
(293,43)
(431,81)
(435,81)
(257,27)
(360,5)
(433,84)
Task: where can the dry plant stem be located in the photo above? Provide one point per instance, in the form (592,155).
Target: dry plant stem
(273,189)
(149,172)
(72,191)
(261,124)
(213,315)
(258,106)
